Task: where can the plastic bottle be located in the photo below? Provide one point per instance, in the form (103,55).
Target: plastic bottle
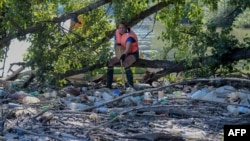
(102,109)
(199,94)
(106,96)
(232,109)
(244,110)
(84,89)
(35,93)
(160,95)
(147,98)
(116,92)
(76,106)
(2,93)
(164,100)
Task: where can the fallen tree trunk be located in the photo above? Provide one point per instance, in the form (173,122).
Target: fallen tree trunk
(170,66)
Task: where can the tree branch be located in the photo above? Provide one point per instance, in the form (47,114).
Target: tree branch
(55,20)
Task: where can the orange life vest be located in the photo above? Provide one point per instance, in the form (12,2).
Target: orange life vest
(121,39)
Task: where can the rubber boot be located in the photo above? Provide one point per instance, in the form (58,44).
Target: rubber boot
(129,77)
(110,72)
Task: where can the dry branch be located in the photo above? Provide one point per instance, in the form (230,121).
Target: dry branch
(155,136)
(37,134)
(14,74)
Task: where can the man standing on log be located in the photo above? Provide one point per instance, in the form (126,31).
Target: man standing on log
(127,52)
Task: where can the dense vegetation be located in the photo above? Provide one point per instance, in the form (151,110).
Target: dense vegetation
(190,30)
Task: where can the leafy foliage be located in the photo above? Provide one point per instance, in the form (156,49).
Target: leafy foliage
(46,54)
(84,46)
(197,37)
(243,20)
(225,15)
(127,9)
